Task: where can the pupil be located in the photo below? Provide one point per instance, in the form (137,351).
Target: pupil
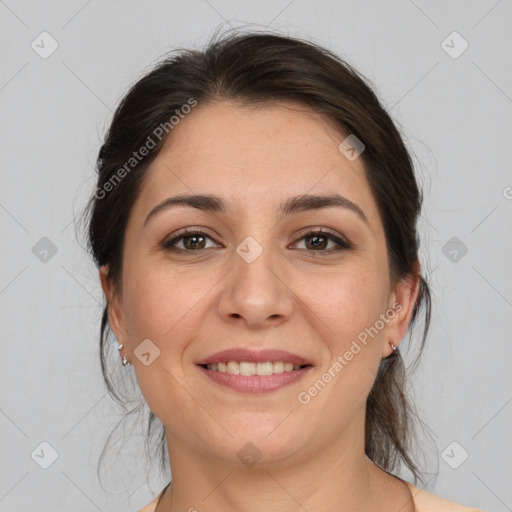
(316,244)
(191,240)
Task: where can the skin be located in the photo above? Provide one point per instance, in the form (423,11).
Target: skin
(192,305)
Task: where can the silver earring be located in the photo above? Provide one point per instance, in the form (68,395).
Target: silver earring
(393,346)
(123,356)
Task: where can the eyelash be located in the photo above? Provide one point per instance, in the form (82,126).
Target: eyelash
(325,233)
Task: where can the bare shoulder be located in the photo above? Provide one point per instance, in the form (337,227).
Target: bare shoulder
(151,507)
(423,500)
(427,502)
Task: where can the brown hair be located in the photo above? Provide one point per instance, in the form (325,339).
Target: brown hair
(258,68)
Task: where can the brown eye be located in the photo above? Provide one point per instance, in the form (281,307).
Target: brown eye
(193,242)
(317,242)
(190,241)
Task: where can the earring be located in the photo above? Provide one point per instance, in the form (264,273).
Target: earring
(123,357)
(393,346)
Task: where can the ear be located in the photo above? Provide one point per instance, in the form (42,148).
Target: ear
(402,301)
(115,310)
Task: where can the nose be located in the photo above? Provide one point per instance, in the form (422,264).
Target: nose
(256,293)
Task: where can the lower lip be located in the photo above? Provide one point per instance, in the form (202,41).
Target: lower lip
(255,383)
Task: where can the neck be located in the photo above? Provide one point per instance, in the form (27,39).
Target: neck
(337,477)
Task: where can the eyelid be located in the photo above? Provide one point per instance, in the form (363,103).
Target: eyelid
(168,242)
(310,231)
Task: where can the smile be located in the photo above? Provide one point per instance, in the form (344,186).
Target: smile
(250,377)
(251,368)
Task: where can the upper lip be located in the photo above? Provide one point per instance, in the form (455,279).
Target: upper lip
(254,356)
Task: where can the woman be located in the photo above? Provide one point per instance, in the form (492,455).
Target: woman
(254,225)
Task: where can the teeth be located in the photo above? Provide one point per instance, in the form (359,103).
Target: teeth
(234,368)
(278,367)
(248,368)
(264,368)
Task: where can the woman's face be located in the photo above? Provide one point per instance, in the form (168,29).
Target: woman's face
(257,277)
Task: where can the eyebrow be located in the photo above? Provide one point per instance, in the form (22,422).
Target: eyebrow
(214,204)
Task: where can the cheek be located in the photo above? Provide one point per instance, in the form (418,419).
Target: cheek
(346,304)
(347,308)
(158,303)
(163,307)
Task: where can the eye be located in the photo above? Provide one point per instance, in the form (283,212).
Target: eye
(192,240)
(316,241)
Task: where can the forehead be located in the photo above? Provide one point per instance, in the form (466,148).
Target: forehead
(254,156)
(238,135)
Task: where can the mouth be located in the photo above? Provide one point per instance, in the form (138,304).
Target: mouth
(249,368)
(244,355)
(250,371)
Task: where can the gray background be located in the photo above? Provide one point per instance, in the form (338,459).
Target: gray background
(455,113)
